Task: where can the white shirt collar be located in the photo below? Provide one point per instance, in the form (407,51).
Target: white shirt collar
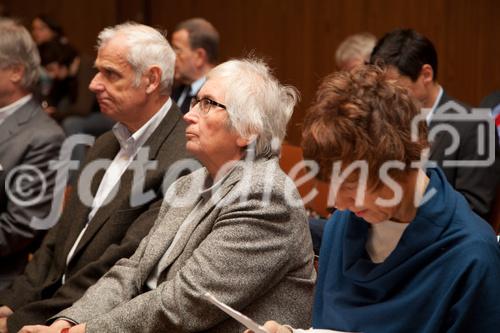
(132,141)
(196,85)
(8,110)
(434,106)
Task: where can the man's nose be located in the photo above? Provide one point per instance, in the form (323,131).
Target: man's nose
(96,85)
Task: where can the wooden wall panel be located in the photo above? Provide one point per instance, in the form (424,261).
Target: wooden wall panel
(81,20)
(299,37)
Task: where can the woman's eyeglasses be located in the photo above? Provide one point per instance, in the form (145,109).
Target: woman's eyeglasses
(204,104)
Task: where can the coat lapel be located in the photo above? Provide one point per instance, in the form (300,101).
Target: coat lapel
(437,140)
(154,143)
(162,238)
(107,150)
(12,124)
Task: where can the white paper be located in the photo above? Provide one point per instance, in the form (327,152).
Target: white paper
(247,322)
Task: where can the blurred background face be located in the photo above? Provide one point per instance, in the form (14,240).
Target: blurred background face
(416,89)
(56,71)
(185,57)
(351,64)
(41,32)
(6,86)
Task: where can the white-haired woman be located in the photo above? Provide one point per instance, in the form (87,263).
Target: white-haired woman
(235,228)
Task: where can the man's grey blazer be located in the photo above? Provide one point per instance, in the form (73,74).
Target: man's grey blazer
(248,244)
(29,138)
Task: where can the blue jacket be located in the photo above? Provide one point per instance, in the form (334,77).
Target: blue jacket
(443,276)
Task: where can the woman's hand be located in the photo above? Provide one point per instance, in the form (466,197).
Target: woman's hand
(5,311)
(38,329)
(56,327)
(273,327)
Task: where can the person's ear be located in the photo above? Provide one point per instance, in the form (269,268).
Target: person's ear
(153,79)
(243,142)
(427,74)
(201,56)
(16,73)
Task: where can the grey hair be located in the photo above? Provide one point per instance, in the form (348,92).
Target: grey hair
(259,107)
(18,48)
(355,46)
(146,47)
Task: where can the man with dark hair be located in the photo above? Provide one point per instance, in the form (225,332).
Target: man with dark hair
(56,59)
(196,44)
(413,62)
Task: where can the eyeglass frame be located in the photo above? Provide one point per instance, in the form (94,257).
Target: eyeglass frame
(195,100)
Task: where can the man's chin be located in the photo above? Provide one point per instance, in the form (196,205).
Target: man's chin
(106,111)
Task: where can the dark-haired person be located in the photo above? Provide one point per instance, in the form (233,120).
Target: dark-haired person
(45,29)
(61,92)
(408,255)
(412,60)
(196,44)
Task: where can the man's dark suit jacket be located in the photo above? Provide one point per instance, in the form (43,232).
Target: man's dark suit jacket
(477,184)
(28,138)
(114,232)
(176,93)
(491,100)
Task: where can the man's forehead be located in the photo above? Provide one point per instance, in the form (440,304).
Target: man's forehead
(180,38)
(118,43)
(180,34)
(111,54)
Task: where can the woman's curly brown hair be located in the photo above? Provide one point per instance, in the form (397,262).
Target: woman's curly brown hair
(362,115)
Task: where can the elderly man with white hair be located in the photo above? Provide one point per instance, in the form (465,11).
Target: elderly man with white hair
(110,210)
(235,228)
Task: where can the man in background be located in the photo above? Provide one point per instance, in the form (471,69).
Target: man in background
(413,61)
(196,45)
(354,51)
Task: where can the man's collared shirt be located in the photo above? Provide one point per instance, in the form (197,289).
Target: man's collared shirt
(130,145)
(191,90)
(428,116)
(8,110)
